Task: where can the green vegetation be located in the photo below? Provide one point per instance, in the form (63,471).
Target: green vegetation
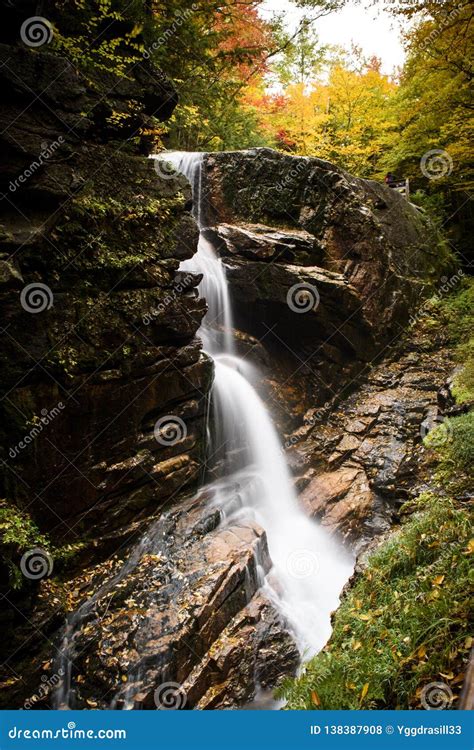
(455,314)
(18,534)
(457,453)
(405,622)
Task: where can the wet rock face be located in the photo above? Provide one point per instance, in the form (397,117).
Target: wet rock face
(99,330)
(358,464)
(181,620)
(363,254)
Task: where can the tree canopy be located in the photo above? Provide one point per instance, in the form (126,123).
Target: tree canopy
(245,80)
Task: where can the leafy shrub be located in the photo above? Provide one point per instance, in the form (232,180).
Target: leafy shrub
(18,533)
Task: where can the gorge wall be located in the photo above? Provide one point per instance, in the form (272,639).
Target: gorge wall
(108,334)
(99,343)
(300,235)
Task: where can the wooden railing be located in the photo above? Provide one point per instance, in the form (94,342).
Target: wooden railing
(401,186)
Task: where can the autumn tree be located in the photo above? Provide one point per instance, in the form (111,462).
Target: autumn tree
(342,114)
(434,112)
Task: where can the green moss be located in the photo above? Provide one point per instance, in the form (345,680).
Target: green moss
(455,312)
(453,315)
(453,443)
(404,624)
(463,386)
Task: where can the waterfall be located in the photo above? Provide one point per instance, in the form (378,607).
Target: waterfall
(309,567)
(252,483)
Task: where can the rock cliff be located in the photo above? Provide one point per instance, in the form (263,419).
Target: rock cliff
(108,344)
(349,256)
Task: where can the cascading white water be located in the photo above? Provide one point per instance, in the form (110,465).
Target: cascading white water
(310,568)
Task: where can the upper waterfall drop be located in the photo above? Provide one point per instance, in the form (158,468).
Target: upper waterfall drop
(217,327)
(310,568)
